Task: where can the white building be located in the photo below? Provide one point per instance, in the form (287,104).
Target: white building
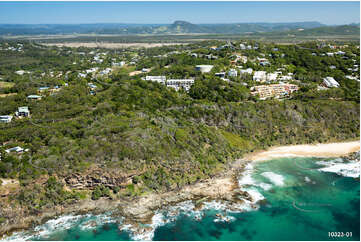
(106,71)
(330,82)
(286,78)
(232,73)
(16,149)
(23,112)
(122,63)
(204,68)
(260,76)
(92,70)
(159,79)
(329,54)
(22,72)
(352,78)
(180,83)
(6,118)
(272,76)
(246,71)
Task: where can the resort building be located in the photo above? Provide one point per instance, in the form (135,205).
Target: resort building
(177,84)
(274,90)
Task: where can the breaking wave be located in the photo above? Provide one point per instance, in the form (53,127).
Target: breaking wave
(338,166)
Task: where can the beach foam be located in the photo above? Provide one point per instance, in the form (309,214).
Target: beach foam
(275,178)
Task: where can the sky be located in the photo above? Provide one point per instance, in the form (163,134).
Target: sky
(331,13)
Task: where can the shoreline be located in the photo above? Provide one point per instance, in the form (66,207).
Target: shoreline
(222,187)
(323,150)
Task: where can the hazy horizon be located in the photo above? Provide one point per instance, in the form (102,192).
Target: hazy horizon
(328,13)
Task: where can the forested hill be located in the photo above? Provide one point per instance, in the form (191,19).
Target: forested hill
(342,30)
(175,28)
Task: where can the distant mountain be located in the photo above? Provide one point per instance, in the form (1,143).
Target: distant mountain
(176,28)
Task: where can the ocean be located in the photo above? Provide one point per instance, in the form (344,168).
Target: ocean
(294,199)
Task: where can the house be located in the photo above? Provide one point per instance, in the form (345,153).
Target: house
(211,57)
(34,97)
(177,84)
(144,70)
(92,86)
(242,46)
(21,72)
(122,63)
(16,149)
(243,59)
(330,82)
(43,89)
(92,70)
(220,74)
(332,67)
(106,71)
(204,68)
(340,53)
(352,78)
(232,73)
(23,112)
(260,76)
(329,54)
(6,118)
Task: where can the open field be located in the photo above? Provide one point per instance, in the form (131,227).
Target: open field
(111,45)
(7,95)
(6,84)
(112,41)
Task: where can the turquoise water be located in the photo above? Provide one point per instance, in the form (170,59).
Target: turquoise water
(301,203)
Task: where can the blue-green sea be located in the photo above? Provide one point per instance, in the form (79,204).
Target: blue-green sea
(300,202)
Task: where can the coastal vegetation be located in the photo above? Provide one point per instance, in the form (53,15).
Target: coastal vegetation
(132,137)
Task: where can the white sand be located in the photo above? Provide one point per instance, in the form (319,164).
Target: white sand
(318,150)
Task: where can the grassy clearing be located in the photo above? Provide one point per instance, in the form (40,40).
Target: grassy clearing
(6,84)
(7,95)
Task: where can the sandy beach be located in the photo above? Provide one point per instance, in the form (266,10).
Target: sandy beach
(311,150)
